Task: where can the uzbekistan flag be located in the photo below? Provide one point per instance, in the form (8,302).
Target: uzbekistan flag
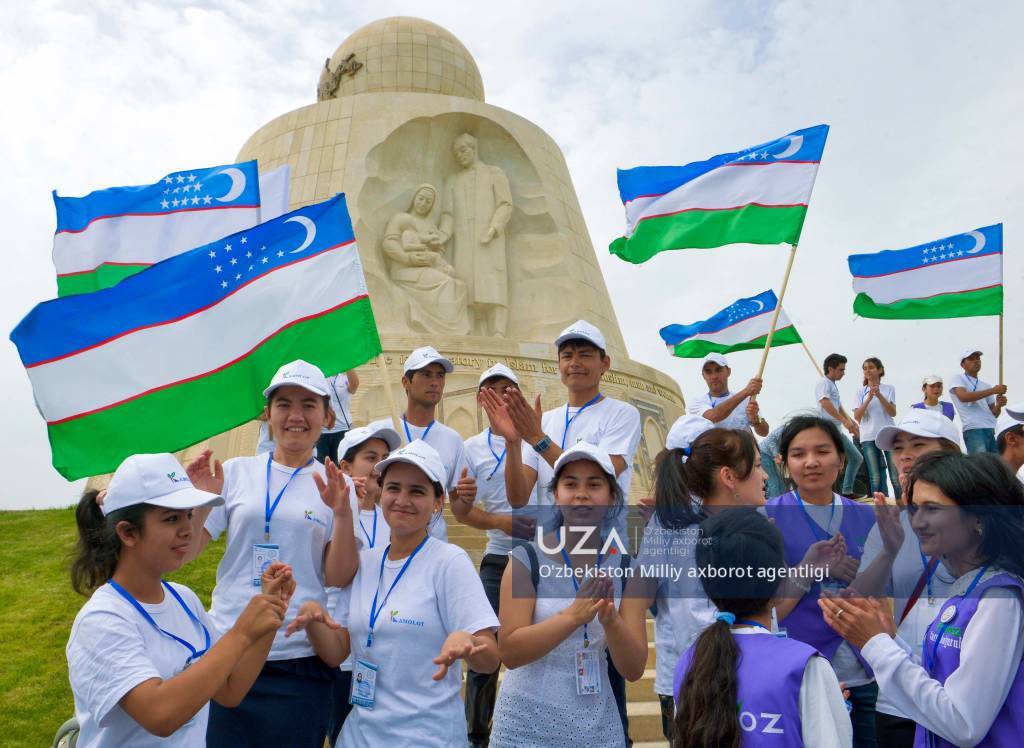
(183,350)
(755,196)
(741,326)
(959,276)
(111,234)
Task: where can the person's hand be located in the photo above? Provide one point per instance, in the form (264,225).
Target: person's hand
(523,527)
(367,491)
(310,612)
(999,389)
(497,413)
(753,387)
(263,615)
(856,619)
(585,606)
(488,235)
(874,391)
(526,419)
(904,480)
(753,411)
(333,491)
(845,570)
(825,553)
(460,645)
(607,612)
(199,473)
(465,489)
(277,579)
(853,428)
(887,517)
(1001,401)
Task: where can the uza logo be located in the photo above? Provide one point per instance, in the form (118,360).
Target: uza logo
(612,544)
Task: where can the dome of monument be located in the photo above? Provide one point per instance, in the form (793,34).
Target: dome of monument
(401,54)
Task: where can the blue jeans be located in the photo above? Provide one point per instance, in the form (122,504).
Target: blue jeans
(980,440)
(853,462)
(878,461)
(775,486)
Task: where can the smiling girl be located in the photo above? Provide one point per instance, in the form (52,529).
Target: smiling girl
(964,683)
(875,409)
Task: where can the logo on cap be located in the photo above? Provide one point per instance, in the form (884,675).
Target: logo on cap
(174,479)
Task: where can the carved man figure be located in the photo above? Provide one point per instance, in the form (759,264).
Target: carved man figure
(477,206)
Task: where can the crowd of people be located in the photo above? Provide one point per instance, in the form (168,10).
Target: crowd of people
(788,609)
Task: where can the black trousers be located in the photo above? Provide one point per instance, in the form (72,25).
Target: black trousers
(327,446)
(894,732)
(482,688)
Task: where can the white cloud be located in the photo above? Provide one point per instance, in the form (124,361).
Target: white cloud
(923,98)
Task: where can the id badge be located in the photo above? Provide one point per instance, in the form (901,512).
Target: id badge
(588,672)
(364,684)
(263,555)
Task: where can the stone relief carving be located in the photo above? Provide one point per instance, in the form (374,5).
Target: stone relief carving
(414,246)
(329,81)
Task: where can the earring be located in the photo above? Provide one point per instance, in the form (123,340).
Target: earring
(978,528)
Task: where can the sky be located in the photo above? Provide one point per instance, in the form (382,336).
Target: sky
(923,98)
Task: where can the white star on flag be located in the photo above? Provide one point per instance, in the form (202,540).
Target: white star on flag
(238,276)
(233,261)
(212,254)
(168,180)
(280,253)
(191,177)
(206,200)
(217,269)
(244,240)
(227,247)
(223,284)
(164,203)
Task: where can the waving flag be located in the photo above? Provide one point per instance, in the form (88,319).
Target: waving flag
(959,276)
(111,234)
(741,326)
(183,350)
(755,196)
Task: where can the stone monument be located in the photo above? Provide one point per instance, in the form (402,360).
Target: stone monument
(468,225)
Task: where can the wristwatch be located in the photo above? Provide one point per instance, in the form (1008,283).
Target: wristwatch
(542,446)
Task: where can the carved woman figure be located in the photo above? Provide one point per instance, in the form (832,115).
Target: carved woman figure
(414,248)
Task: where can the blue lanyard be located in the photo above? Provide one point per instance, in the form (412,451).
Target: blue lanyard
(568,421)
(714,403)
(370,540)
(374,610)
(341,406)
(928,574)
(408,436)
(811,523)
(942,629)
(194,654)
(268,508)
(976,382)
(497,457)
(576,587)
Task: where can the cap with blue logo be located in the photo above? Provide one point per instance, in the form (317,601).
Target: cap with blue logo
(157,479)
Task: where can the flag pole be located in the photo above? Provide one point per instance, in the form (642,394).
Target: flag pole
(385,379)
(1000,348)
(775,315)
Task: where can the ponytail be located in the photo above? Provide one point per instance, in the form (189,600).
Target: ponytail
(707,715)
(673,502)
(98,549)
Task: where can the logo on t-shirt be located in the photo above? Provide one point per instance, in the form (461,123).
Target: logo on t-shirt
(314,519)
(396,618)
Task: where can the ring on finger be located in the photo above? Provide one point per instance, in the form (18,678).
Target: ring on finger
(839,611)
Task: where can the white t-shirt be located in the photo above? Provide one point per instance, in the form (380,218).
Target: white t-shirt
(875,416)
(301,526)
(906,571)
(490,485)
(827,390)
(449,446)
(439,593)
(735,420)
(609,423)
(112,649)
(341,398)
(976,415)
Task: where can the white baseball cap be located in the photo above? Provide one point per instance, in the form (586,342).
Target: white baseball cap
(425,356)
(157,479)
(968,352)
(714,358)
(1007,420)
(301,374)
(685,431)
(582,330)
(919,422)
(499,370)
(932,379)
(1016,410)
(355,437)
(586,451)
(420,454)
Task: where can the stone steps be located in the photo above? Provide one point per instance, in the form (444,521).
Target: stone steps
(643,707)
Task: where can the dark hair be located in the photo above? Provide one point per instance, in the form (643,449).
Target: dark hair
(983,486)
(798,424)
(735,538)
(833,360)
(98,549)
(577,342)
(878,365)
(676,480)
(1017,430)
(618,499)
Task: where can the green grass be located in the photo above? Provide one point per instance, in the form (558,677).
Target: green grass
(37,608)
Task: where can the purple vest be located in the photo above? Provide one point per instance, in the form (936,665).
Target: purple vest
(805,623)
(1007,730)
(768,674)
(947,408)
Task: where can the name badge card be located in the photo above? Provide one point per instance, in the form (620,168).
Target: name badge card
(588,672)
(364,684)
(263,555)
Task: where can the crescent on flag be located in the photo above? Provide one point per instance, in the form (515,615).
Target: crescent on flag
(796,142)
(237,184)
(310,227)
(979,242)
(760,305)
